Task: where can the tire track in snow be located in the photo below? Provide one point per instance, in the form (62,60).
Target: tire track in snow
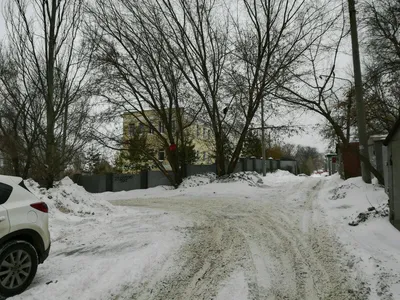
(285,253)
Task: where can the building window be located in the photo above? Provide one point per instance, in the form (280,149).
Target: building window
(140,128)
(198,130)
(151,130)
(204,132)
(131,130)
(161,155)
(160,127)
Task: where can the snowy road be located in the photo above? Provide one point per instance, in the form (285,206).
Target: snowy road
(284,238)
(271,243)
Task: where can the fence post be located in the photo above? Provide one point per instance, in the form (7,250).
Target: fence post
(109,182)
(254,164)
(271,165)
(186,172)
(76,178)
(144,179)
(278,164)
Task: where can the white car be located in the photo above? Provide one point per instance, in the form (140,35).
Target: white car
(24,235)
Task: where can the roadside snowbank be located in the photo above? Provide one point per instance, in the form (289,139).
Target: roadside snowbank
(69,206)
(198,180)
(69,198)
(347,199)
(204,185)
(252,178)
(374,244)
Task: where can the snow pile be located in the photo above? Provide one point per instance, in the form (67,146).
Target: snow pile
(350,199)
(252,178)
(198,180)
(69,198)
(281,173)
(318,175)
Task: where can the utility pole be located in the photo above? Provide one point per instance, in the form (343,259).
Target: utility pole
(362,132)
(264,166)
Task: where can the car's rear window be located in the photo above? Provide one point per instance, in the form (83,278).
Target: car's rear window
(5,192)
(22,184)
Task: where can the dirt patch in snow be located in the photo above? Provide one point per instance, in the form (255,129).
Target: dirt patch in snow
(372,212)
(340,191)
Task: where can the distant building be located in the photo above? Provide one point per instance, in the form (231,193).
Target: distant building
(200,134)
(331,163)
(392,142)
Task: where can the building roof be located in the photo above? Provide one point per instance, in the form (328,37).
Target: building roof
(377,137)
(392,132)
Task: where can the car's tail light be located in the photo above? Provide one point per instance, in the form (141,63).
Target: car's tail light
(40,206)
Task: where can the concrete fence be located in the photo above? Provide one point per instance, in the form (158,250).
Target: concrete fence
(147,179)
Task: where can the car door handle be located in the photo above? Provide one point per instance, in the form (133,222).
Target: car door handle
(2,218)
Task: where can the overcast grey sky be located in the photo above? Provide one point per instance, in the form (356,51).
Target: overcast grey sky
(2,25)
(310,137)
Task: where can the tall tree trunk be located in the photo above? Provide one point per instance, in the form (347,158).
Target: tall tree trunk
(219,154)
(238,150)
(173,160)
(50,150)
(64,140)
(15,164)
(50,114)
(28,163)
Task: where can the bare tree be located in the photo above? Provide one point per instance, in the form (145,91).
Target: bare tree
(382,20)
(269,44)
(21,113)
(44,35)
(316,89)
(234,67)
(195,37)
(140,81)
(382,88)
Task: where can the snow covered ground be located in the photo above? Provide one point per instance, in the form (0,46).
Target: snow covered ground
(243,237)
(374,244)
(98,249)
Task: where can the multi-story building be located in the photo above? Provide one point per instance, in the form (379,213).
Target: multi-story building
(199,133)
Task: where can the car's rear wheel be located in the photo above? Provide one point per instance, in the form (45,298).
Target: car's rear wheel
(18,266)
